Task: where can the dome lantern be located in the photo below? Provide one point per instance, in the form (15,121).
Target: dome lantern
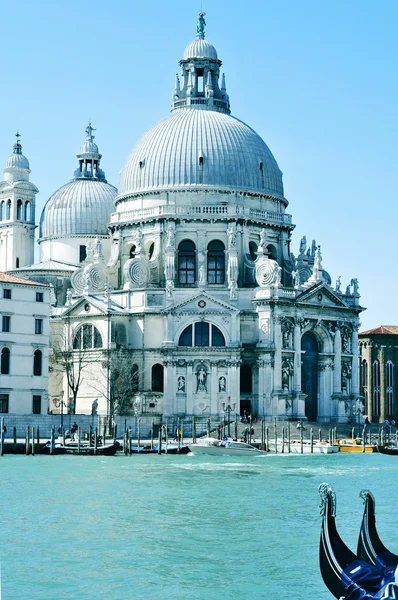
(200,72)
(16,167)
(89,159)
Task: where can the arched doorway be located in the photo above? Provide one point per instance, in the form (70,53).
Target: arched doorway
(309,375)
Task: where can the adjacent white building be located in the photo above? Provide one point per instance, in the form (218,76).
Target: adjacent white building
(24,345)
(188,269)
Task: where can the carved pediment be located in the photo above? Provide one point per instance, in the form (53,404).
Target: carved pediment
(202,303)
(321,295)
(91,306)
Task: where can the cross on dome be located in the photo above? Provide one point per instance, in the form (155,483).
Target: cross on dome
(17,145)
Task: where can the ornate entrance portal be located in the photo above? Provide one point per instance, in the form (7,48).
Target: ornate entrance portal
(309,375)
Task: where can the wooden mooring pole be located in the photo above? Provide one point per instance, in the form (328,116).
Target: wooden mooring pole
(152,425)
(312,440)
(275,437)
(14,439)
(27,440)
(33,441)
(2,437)
(160,438)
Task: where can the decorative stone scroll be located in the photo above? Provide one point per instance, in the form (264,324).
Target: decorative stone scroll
(136,272)
(268,272)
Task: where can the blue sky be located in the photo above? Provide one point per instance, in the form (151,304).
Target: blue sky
(316,79)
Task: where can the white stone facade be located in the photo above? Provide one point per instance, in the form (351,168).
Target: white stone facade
(24,345)
(196,282)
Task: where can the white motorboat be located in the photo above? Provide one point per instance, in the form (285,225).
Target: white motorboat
(226,447)
(295,447)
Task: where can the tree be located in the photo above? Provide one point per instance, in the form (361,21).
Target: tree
(120,382)
(65,359)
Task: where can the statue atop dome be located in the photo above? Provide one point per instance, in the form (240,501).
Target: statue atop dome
(200,29)
(89,132)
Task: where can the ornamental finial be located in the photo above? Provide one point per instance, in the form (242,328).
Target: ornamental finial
(200,29)
(89,132)
(17,146)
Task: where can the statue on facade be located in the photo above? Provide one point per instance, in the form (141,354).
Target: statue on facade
(303,245)
(348,290)
(138,239)
(318,259)
(94,408)
(313,248)
(338,284)
(222,384)
(170,237)
(169,288)
(355,286)
(181,384)
(202,275)
(263,238)
(231,237)
(201,376)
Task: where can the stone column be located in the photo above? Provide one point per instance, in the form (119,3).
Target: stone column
(383,395)
(233,373)
(277,355)
(355,362)
(370,382)
(269,411)
(297,355)
(189,387)
(168,408)
(214,409)
(261,387)
(337,362)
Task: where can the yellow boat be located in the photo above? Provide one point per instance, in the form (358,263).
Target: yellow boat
(353,445)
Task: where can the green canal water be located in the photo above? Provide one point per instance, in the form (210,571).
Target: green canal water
(179,527)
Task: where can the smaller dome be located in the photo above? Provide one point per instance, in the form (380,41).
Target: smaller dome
(89,147)
(200,49)
(16,161)
(81,207)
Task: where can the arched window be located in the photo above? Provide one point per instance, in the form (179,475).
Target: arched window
(364,380)
(37,363)
(8,211)
(253,250)
(215,262)
(201,334)
(134,378)
(27,210)
(86,338)
(272,252)
(390,387)
(157,378)
(19,210)
(150,247)
(3,211)
(5,361)
(376,388)
(246,379)
(132,251)
(186,263)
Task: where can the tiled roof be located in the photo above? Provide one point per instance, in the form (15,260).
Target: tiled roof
(8,278)
(382,330)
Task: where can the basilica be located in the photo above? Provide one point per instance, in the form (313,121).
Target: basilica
(186,269)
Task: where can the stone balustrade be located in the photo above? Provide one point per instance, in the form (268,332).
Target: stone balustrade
(234,211)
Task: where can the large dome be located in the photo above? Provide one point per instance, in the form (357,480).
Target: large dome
(204,149)
(81,207)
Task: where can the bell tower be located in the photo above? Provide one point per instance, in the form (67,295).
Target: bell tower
(17,212)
